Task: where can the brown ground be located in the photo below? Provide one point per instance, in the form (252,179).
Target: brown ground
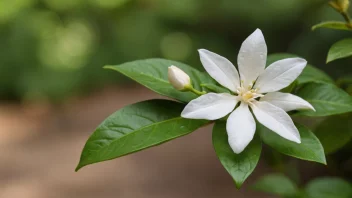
(40,147)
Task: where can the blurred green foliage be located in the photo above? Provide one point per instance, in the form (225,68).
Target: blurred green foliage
(52,49)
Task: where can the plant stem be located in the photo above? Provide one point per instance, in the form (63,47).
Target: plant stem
(199,93)
(343,12)
(346,16)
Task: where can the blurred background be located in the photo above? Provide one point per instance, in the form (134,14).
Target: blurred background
(54,92)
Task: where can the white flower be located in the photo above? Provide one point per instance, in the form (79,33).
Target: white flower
(178,78)
(254,87)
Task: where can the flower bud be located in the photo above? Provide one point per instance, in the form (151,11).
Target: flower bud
(340,5)
(178,78)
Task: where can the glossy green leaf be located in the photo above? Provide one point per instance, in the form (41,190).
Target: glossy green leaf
(313,74)
(239,166)
(136,127)
(327,99)
(309,149)
(337,25)
(334,132)
(277,184)
(329,188)
(215,88)
(309,74)
(152,73)
(340,49)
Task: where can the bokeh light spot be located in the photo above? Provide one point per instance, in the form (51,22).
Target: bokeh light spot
(63,4)
(69,48)
(108,4)
(10,8)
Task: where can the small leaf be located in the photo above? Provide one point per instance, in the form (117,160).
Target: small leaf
(136,127)
(215,88)
(334,132)
(337,25)
(309,74)
(239,166)
(277,184)
(327,99)
(340,49)
(152,73)
(329,188)
(309,149)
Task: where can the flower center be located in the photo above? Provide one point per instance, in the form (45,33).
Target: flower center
(248,95)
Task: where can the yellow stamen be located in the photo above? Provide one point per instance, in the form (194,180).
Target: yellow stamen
(248,95)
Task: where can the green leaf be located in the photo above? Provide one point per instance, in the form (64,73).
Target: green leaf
(309,149)
(327,99)
(215,88)
(313,74)
(334,132)
(136,127)
(152,73)
(278,56)
(239,166)
(340,49)
(337,25)
(277,184)
(329,188)
(290,88)
(309,74)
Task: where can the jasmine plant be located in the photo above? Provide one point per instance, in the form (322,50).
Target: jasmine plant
(274,89)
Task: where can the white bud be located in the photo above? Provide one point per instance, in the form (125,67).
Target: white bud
(344,4)
(340,5)
(178,78)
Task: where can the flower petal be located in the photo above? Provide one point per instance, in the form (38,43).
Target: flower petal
(252,57)
(276,119)
(286,101)
(221,69)
(240,128)
(210,106)
(280,74)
